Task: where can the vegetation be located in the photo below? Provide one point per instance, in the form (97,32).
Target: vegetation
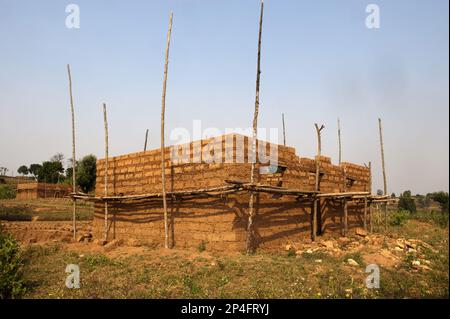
(52,171)
(34,170)
(12,284)
(43,210)
(406,202)
(23,170)
(3,171)
(442,199)
(194,274)
(86,173)
(7,191)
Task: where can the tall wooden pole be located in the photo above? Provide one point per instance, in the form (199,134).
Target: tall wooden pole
(284,130)
(370,192)
(345,204)
(74,179)
(105,120)
(250,230)
(146,137)
(317,180)
(163,110)
(339,141)
(384,172)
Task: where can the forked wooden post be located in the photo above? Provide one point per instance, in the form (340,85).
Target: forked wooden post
(163,110)
(250,231)
(317,180)
(146,137)
(74,179)
(384,172)
(284,129)
(105,120)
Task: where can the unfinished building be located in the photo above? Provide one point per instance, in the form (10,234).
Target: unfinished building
(208,200)
(37,190)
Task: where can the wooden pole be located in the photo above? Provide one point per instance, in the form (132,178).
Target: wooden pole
(365,214)
(105,119)
(317,180)
(384,172)
(250,230)
(339,141)
(345,204)
(284,130)
(74,179)
(370,191)
(163,110)
(146,137)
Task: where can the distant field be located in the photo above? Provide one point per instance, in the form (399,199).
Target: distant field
(43,210)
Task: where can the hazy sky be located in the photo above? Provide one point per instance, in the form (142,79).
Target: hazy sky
(319,62)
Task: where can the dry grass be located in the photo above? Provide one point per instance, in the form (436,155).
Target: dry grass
(130,272)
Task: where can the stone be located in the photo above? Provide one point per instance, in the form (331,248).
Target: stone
(327,244)
(415,263)
(99,242)
(133,242)
(361,232)
(352,262)
(318,261)
(288,247)
(112,244)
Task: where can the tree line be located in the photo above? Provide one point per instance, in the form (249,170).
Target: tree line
(53,171)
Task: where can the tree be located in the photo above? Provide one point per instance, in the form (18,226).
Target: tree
(51,172)
(34,169)
(393,195)
(380,192)
(69,170)
(23,170)
(442,199)
(406,202)
(86,173)
(58,157)
(3,171)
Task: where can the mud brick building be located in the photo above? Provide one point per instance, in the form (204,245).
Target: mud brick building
(42,190)
(220,221)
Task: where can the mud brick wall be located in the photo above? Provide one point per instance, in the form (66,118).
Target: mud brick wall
(358,177)
(220,223)
(42,190)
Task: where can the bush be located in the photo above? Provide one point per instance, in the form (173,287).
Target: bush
(7,192)
(202,246)
(399,218)
(442,199)
(11,279)
(406,202)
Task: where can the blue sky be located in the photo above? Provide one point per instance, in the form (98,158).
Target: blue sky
(319,62)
